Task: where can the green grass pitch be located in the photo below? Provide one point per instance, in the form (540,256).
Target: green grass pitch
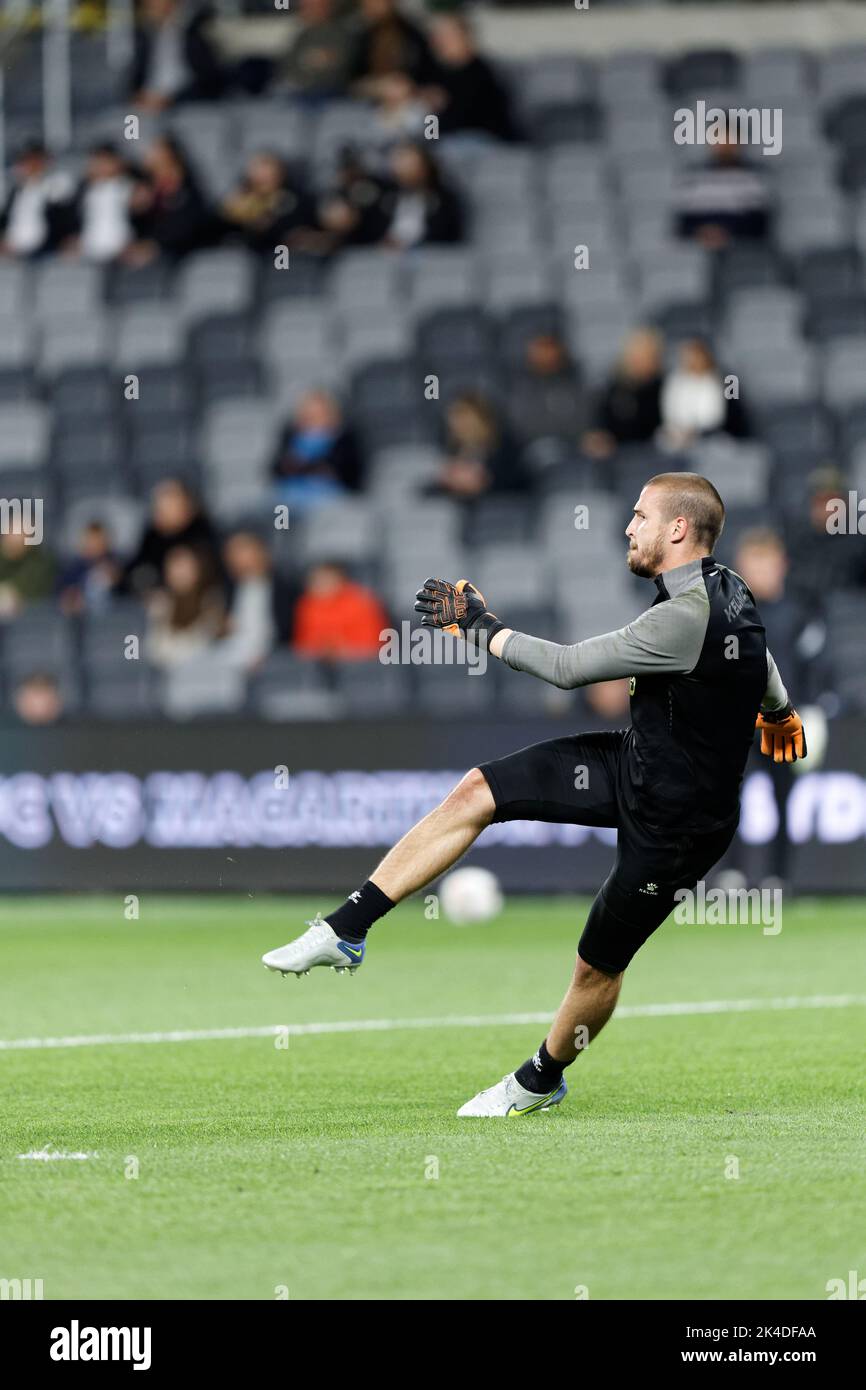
(311,1168)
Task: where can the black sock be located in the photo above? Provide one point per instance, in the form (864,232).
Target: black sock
(361,909)
(541,1073)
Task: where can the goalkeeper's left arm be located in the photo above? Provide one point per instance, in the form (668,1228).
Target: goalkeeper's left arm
(667,638)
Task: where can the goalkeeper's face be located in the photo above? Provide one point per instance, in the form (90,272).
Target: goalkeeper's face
(647,537)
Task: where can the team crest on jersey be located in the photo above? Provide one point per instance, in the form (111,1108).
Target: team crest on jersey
(631,685)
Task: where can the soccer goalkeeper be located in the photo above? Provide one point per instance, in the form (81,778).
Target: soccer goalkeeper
(701,676)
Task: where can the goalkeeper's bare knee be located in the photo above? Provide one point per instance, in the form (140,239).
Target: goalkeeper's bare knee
(471,802)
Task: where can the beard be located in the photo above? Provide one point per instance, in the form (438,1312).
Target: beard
(647,562)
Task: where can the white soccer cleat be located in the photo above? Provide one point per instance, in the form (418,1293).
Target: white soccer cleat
(509,1098)
(320,945)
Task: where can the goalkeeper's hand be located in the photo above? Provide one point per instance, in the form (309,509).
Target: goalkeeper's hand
(783,737)
(457,608)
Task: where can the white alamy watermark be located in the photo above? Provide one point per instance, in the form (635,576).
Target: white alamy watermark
(846,516)
(739,125)
(424,646)
(852,1287)
(720,907)
(22,517)
(77,1343)
(21,1290)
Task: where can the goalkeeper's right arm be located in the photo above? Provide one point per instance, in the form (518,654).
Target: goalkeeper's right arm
(783,737)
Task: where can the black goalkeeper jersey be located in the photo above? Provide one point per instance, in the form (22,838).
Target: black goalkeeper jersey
(699,673)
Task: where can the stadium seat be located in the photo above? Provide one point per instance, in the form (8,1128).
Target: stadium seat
(291,687)
(559,123)
(17,385)
(342,530)
(138,285)
(738,469)
(15,288)
(405,468)
(215,283)
(373,689)
(84,392)
(24,435)
(162,446)
(63,290)
(802,426)
(514,571)
(120,697)
(776,75)
(456,688)
(238,441)
(87,445)
(149,335)
(442,277)
(698,69)
(385,388)
(74,341)
(39,639)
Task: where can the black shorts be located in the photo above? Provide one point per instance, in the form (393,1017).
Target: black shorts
(577,780)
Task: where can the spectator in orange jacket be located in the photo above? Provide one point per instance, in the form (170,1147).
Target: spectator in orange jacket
(337,618)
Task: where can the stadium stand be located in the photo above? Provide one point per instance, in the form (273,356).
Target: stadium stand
(391,338)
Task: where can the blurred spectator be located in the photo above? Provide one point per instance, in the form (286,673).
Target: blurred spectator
(176,518)
(412,207)
(187,614)
(628,410)
(37,699)
(389,43)
(86,583)
(319,61)
(26,573)
(724,200)
(544,398)
(353,213)
(762,561)
(268,206)
(318,455)
(608,702)
(694,401)
(479,457)
(401,110)
(422,207)
(36,214)
(337,618)
(169,212)
(251,628)
(826,561)
(174,58)
(468,95)
(795,639)
(101,211)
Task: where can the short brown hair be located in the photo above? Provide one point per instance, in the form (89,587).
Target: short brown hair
(694,497)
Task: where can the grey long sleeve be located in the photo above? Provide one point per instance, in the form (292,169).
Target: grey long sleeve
(775,696)
(665,639)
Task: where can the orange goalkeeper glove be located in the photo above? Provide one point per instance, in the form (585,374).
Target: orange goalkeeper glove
(783,737)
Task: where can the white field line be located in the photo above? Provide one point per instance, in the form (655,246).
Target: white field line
(390,1025)
(55,1156)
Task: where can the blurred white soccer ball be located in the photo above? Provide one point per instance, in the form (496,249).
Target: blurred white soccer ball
(471,895)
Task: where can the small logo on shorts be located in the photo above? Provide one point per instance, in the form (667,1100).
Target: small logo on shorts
(651,888)
(632,685)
